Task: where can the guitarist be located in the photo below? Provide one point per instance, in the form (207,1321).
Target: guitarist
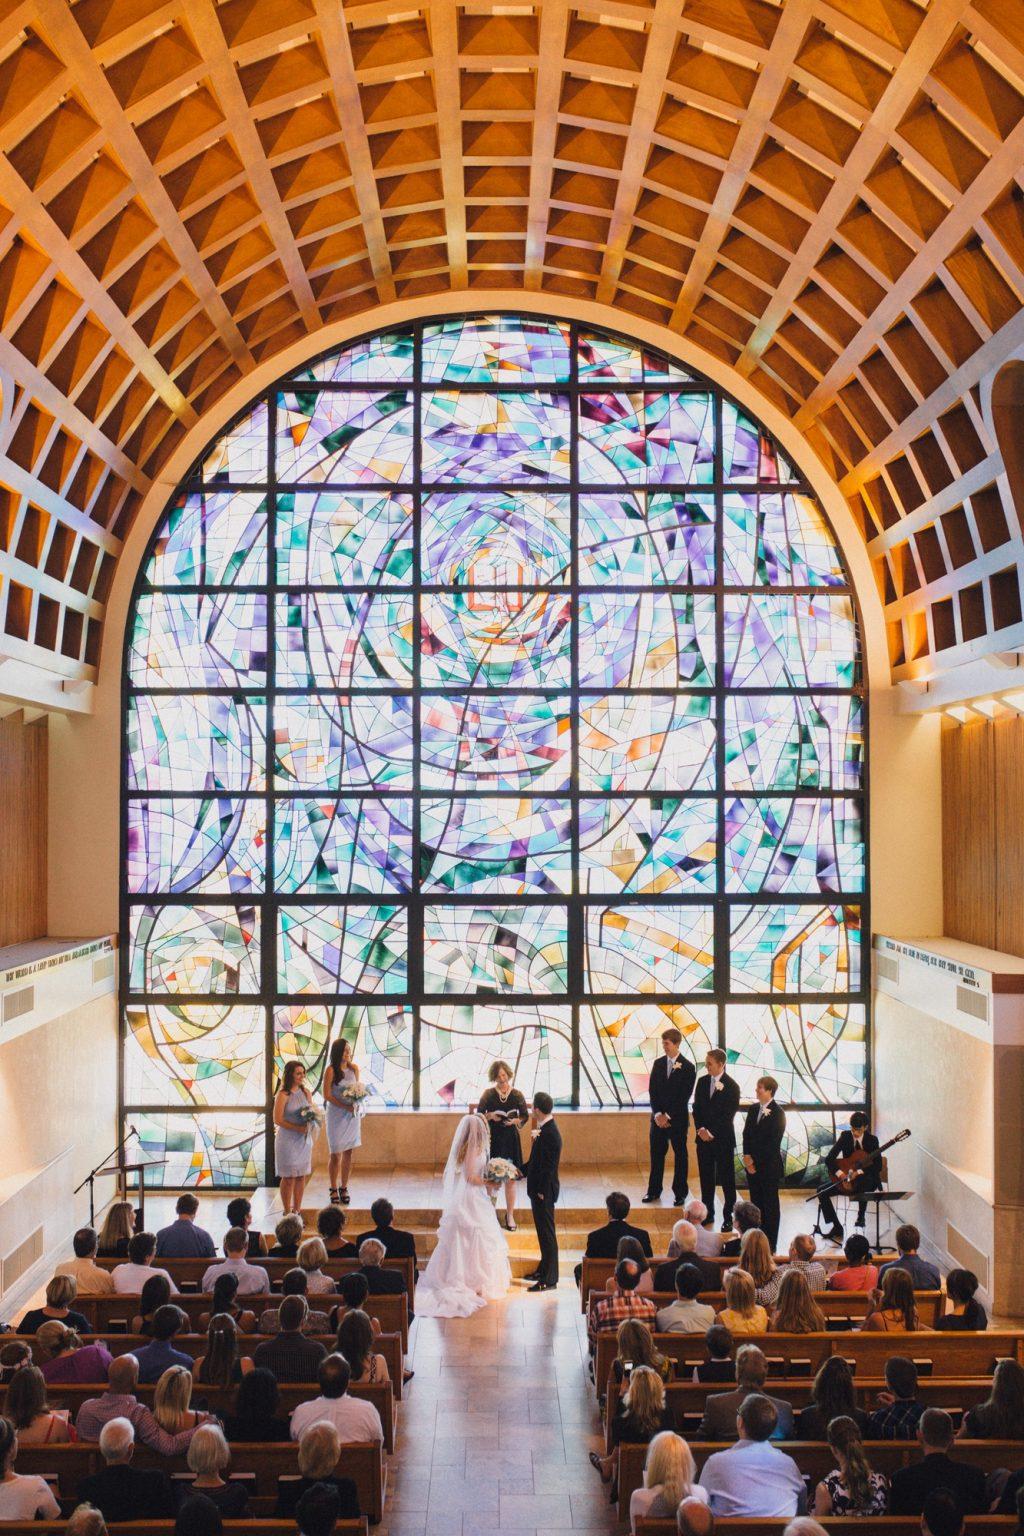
(857,1139)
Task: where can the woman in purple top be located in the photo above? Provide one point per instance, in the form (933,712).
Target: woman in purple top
(68,1359)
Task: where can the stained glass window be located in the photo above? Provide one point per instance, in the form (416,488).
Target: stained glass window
(493,687)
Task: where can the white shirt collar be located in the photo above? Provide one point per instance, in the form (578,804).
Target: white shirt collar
(542,1122)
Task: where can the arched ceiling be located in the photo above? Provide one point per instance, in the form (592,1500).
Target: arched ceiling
(826,197)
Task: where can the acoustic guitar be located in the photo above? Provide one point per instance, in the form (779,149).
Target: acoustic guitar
(849,1169)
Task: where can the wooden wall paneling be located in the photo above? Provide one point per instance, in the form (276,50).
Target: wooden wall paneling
(969,867)
(23,826)
(1008,781)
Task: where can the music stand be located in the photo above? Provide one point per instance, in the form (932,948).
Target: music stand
(878,1198)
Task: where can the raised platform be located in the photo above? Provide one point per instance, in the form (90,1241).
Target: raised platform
(421,1138)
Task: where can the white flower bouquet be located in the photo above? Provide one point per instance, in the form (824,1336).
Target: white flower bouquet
(354,1095)
(310,1116)
(501,1170)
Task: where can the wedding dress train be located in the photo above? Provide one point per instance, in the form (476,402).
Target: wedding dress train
(469,1266)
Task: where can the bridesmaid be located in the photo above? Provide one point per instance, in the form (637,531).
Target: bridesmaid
(504,1108)
(293,1141)
(343,1129)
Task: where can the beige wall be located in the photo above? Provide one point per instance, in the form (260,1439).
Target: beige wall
(58,1095)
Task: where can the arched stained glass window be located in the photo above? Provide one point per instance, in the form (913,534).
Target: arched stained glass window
(493,687)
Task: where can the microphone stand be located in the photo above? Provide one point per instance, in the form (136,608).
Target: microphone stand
(90,1178)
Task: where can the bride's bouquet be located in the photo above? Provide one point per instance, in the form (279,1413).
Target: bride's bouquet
(501,1170)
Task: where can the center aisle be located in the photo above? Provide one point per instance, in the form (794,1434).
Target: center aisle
(495,1429)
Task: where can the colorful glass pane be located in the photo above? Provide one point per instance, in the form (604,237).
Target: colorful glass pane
(630,539)
(346,437)
(361,844)
(202,1055)
(187,640)
(194,951)
(214,844)
(795,949)
(814,1050)
(495,539)
(774,641)
(457,1040)
(496,349)
(344,640)
(211,539)
(646,640)
(341,949)
(495,741)
(775,539)
(793,846)
(794,741)
(495,949)
(501,439)
(220,1149)
(619,1043)
(196,741)
(384,359)
(343,741)
(333,539)
(495,639)
(381,1036)
(656,846)
(647,741)
(512,846)
(642,949)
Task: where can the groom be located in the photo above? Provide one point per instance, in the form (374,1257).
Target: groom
(542,1188)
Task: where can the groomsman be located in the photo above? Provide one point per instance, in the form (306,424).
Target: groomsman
(762,1155)
(542,1187)
(670,1086)
(715,1107)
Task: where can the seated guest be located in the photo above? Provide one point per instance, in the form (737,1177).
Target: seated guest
(119,1402)
(121,1491)
(60,1293)
(912,1484)
(154,1358)
(893,1308)
(851,1488)
(183,1239)
(1001,1415)
(603,1242)
(319,1453)
(353,1418)
(796,1310)
(355,1342)
(669,1477)
(172,1401)
(85,1521)
(857,1274)
(35,1422)
(225,1299)
(642,1413)
(287,1237)
(686,1314)
(198,1516)
(609,1311)
(239,1214)
(942,1515)
(129,1278)
(741,1313)
(317,1512)
(13,1357)
(253,1279)
(22,1498)
(117,1231)
(709,1242)
(66,1360)
(354,1289)
(330,1227)
(290,1355)
(695,1519)
(635,1348)
(832,1397)
(222,1365)
(801,1257)
(746,1217)
(209,1458)
(382,1282)
(91,1279)
(968,1315)
(156,1293)
(924,1276)
(294,1284)
(899,1412)
(629,1248)
(756,1259)
(397,1244)
(684,1241)
(752,1477)
(257,1417)
(312,1257)
(721,1408)
(719,1365)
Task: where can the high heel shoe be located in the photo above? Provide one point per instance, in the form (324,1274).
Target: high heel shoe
(344,1197)
(335,1197)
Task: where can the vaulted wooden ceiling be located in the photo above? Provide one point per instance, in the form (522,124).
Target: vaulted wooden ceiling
(827,197)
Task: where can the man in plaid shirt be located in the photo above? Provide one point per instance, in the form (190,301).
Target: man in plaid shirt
(611,1310)
(899,1413)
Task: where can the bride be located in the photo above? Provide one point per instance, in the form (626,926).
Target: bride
(469,1266)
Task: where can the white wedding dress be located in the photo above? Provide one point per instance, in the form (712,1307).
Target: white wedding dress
(469,1267)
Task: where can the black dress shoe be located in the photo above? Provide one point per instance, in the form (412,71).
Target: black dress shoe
(533,1275)
(541,1285)
(650,1199)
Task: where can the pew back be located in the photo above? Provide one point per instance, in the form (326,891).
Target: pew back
(108,1314)
(190,1272)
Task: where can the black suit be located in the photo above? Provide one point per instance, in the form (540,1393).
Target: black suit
(386,1282)
(912,1485)
(670,1087)
(543,1189)
(762,1141)
(129,1493)
(603,1242)
(871,1178)
(710,1274)
(716,1159)
(397,1245)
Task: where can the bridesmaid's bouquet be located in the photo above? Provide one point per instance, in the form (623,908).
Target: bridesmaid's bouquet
(501,1170)
(353,1093)
(310,1115)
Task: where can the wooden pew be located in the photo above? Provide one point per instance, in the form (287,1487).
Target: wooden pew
(190,1272)
(800,1354)
(363,1463)
(109,1313)
(387,1344)
(849,1307)
(686,1399)
(220,1400)
(596,1273)
(256,1527)
(815,1459)
(843,1525)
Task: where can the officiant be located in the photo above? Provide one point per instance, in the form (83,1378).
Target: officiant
(506,1112)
